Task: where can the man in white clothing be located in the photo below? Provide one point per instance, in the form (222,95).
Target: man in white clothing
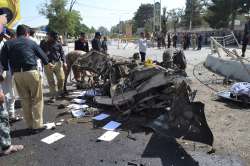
(6,81)
(143,47)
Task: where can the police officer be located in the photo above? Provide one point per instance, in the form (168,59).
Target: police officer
(105,45)
(21,55)
(82,43)
(246,38)
(53,49)
(96,42)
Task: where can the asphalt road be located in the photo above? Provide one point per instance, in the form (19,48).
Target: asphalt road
(80,147)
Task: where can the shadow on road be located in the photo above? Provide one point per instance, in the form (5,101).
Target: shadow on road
(20,133)
(169,151)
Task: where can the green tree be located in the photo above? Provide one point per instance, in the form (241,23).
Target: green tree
(175,17)
(92,30)
(192,16)
(143,16)
(222,12)
(81,28)
(60,19)
(104,31)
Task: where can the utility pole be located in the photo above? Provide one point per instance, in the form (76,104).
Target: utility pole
(191,14)
(160,15)
(154,18)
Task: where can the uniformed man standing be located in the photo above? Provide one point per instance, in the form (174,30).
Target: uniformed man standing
(55,54)
(246,38)
(21,55)
(105,45)
(82,43)
(96,42)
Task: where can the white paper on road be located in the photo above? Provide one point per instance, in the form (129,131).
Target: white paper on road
(79,101)
(111,126)
(77,106)
(78,113)
(101,117)
(52,138)
(50,126)
(77,94)
(108,136)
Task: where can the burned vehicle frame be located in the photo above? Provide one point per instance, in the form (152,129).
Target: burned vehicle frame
(161,89)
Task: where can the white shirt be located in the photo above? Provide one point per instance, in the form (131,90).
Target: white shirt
(34,39)
(143,45)
(1,46)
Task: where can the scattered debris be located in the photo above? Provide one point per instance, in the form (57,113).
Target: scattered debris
(125,85)
(108,136)
(93,92)
(78,113)
(111,126)
(101,117)
(79,120)
(53,138)
(50,126)
(79,101)
(59,124)
(77,106)
(100,120)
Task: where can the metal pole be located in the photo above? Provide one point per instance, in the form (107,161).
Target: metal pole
(160,15)
(191,14)
(154,18)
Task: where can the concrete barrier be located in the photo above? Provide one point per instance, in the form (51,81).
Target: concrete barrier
(228,67)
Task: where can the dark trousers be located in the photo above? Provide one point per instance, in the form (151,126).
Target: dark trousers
(174,44)
(199,45)
(244,46)
(143,56)
(169,44)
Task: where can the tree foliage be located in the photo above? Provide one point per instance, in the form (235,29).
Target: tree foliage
(175,16)
(221,12)
(104,31)
(143,16)
(60,19)
(192,16)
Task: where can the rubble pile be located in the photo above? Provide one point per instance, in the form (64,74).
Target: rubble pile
(160,89)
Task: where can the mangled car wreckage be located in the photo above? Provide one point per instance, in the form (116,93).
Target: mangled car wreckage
(156,88)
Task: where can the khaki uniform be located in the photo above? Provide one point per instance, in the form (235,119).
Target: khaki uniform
(60,76)
(29,87)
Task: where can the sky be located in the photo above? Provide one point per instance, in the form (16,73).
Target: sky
(95,13)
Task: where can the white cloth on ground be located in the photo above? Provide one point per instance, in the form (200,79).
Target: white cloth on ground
(241,88)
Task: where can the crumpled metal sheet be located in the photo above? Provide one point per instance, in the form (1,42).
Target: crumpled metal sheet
(150,88)
(191,125)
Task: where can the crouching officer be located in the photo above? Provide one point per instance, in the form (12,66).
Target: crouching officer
(53,49)
(21,55)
